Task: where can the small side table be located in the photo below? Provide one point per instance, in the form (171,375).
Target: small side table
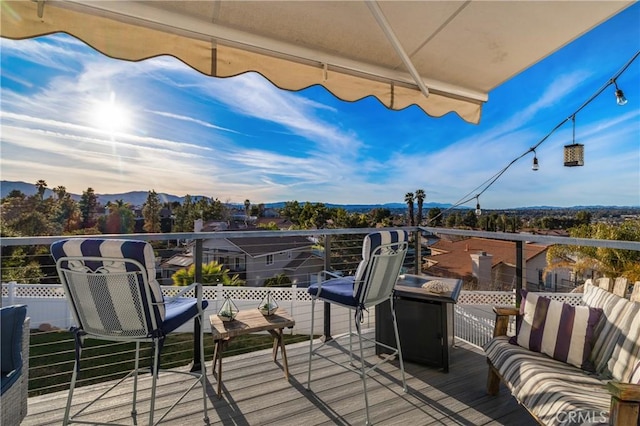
(246,322)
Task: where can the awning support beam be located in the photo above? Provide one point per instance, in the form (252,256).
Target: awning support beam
(395,43)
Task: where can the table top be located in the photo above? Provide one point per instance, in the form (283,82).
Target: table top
(249,321)
(411,285)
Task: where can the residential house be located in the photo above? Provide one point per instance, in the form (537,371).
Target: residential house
(258,258)
(172,265)
(255,259)
(491,264)
(282,223)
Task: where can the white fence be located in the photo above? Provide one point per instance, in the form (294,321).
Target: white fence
(474,317)
(47,305)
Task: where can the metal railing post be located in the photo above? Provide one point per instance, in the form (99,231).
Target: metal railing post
(197,259)
(327,306)
(519,270)
(418,249)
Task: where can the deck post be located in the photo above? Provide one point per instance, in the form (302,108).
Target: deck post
(418,250)
(327,305)
(520,270)
(197,259)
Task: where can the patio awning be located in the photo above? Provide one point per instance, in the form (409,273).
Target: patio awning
(443,56)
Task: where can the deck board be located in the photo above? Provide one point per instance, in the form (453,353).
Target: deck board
(255,392)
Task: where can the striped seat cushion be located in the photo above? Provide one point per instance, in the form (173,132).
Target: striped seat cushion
(550,389)
(557,329)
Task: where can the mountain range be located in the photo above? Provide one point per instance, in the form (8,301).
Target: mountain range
(138,198)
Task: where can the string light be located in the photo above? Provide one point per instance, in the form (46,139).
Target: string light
(620,99)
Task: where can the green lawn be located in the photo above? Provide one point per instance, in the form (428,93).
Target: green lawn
(52,356)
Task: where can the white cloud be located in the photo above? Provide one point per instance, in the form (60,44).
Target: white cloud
(191,120)
(176,148)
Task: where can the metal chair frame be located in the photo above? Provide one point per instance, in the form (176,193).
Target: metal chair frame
(81,284)
(380,274)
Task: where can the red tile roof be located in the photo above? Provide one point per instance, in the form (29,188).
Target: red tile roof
(453,258)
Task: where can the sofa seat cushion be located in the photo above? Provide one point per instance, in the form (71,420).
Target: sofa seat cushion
(547,387)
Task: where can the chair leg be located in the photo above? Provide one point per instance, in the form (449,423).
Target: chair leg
(313,310)
(134,411)
(155,368)
(363,374)
(67,410)
(203,370)
(350,341)
(395,329)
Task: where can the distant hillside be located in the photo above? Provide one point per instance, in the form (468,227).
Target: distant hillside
(26,188)
(135,198)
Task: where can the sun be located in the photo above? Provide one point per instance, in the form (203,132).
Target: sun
(110,116)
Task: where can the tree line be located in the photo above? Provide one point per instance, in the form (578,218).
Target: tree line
(22,215)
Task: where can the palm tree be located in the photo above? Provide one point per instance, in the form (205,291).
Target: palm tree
(60,191)
(247,206)
(213,273)
(420,196)
(408,198)
(605,262)
(120,219)
(41,185)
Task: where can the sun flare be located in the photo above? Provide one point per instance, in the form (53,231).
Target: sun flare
(110,116)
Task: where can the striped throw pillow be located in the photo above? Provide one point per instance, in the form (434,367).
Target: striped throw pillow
(559,330)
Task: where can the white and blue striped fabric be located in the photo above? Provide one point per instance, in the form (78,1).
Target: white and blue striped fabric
(371,244)
(140,251)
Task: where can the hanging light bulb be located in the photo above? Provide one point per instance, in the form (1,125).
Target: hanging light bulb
(620,99)
(535,166)
(478,210)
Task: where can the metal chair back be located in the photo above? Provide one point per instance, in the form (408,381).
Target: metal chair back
(112,301)
(383,254)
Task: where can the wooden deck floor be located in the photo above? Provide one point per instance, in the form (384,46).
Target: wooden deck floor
(256,393)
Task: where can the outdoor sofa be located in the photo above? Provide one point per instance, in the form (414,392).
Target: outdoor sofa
(595,376)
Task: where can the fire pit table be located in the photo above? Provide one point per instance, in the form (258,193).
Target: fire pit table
(425,319)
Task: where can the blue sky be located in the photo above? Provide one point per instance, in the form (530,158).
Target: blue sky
(76,118)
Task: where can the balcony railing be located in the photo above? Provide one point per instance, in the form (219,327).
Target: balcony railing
(340,251)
